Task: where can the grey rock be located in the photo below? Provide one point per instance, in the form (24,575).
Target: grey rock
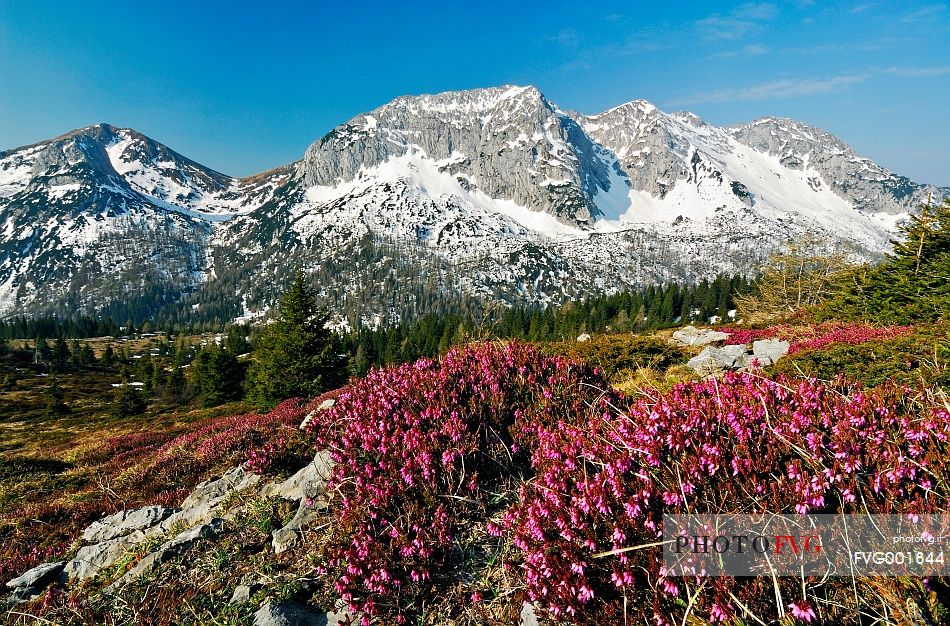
(713,360)
(124,522)
(528,615)
(90,560)
(326,404)
(583,337)
(287,537)
(243,593)
(21,594)
(768,351)
(175,547)
(308,482)
(235,480)
(692,336)
(38,577)
(290,614)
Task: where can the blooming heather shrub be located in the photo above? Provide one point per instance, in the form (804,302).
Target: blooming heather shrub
(219,441)
(424,454)
(817,336)
(740,445)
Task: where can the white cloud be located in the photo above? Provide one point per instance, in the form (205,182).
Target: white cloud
(738,23)
(799,87)
(748,51)
(918,72)
(777,89)
(924,13)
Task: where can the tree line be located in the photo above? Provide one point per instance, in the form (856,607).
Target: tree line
(295,354)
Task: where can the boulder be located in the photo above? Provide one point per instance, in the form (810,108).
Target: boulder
(326,404)
(287,537)
(124,522)
(90,560)
(692,336)
(38,577)
(768,351)
(170,549)
(234,480)
(583,337)
(21,594)
(294,614)
(309,482)
(713,360)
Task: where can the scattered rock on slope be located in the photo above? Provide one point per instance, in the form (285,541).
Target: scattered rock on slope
(692,336)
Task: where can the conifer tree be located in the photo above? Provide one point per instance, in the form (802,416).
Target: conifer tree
(217,376)
(295,355)
(54,396)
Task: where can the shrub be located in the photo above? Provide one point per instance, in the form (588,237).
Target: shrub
(742,444)
(817,336)
(922,356)
(619,357)
(424,454)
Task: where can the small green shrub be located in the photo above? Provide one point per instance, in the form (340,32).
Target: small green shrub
(619,357)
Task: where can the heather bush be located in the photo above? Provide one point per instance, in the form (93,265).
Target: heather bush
(911,358)
(741,444)
(424,454)
(815,336)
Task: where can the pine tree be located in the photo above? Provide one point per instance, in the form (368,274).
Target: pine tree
(54,396)
(128,400)
(60,352)
(296,355)
(217,376)
(913,283)
(108,356)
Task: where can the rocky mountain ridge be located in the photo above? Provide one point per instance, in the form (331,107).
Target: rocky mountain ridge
(495,194)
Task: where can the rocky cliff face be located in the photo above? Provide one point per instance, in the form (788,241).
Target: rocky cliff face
(493,193)
(508,142)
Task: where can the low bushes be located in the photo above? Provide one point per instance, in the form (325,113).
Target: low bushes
(741,444)
(425,454)
(620,357)
(459,482)
(134,469)
(818,336)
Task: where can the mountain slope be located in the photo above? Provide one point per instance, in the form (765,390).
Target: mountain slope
(495,194)
(104,215)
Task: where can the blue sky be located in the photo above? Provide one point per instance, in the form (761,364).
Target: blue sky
(245,87)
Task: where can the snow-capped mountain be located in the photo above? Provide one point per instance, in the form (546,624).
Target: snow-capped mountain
(494,193)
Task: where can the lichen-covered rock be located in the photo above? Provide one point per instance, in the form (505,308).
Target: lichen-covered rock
(768,351)
(692,336)
(90,560)
(124,522)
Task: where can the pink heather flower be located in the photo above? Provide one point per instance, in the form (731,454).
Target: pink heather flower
(802,610)
(719,613)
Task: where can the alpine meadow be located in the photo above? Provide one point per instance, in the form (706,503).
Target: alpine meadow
(474,356)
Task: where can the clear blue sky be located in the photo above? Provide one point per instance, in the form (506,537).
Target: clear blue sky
(245,87)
